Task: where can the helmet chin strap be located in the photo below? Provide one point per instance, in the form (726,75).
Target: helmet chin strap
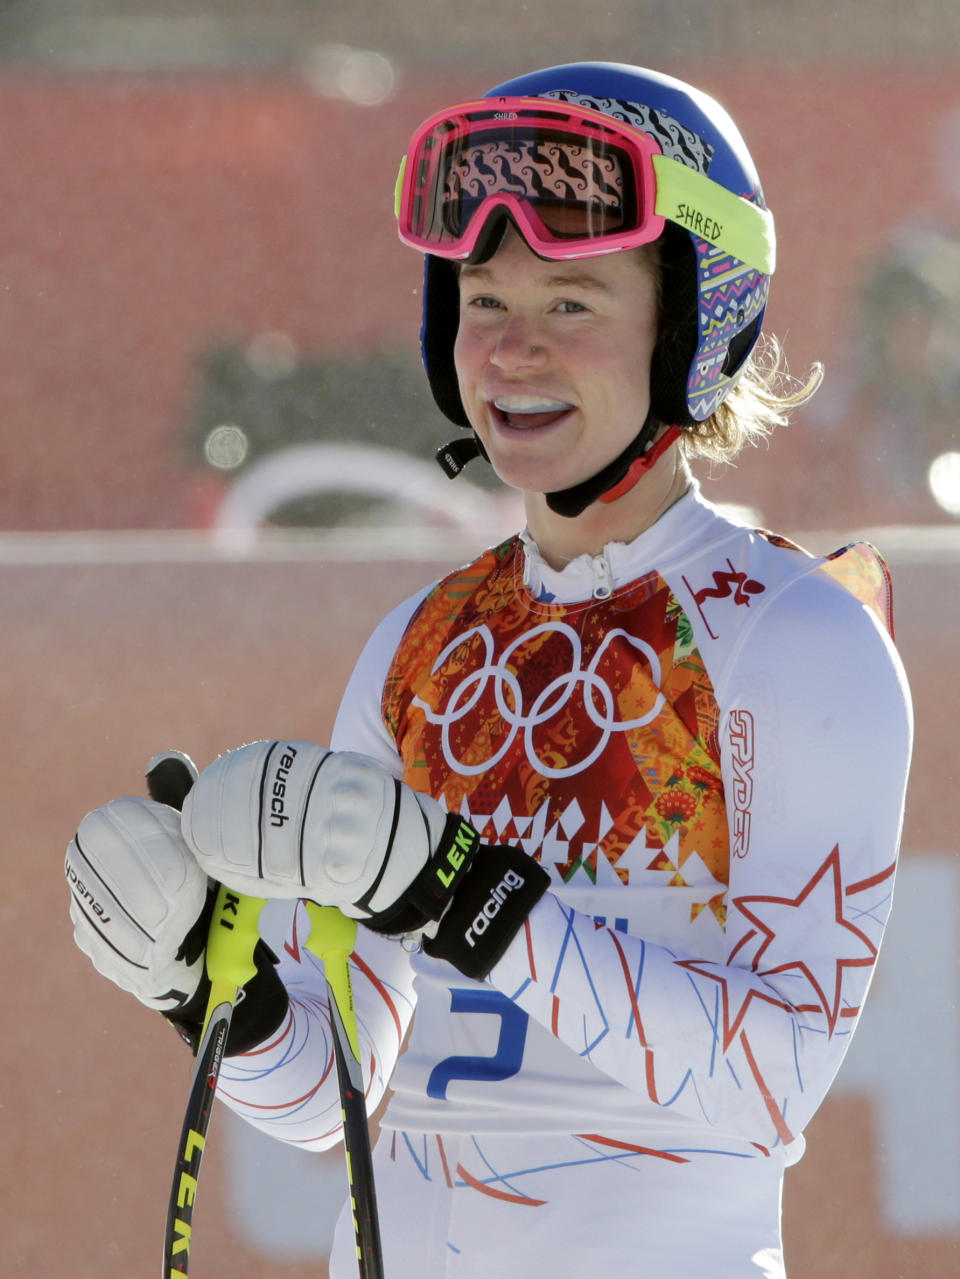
(620,475)
(453,457)
(615,479)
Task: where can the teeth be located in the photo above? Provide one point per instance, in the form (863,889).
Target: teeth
(529,404)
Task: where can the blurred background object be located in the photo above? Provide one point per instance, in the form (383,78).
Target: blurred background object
(899,390)
(204,314)
(264,402)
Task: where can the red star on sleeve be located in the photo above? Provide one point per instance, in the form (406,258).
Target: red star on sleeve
(808,934)
(732,1021)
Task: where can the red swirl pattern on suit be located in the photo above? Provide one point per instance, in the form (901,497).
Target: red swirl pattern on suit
(514,710)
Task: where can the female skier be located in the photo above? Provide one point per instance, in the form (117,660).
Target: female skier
(619,802)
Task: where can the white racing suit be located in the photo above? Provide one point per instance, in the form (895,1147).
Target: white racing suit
(704,737)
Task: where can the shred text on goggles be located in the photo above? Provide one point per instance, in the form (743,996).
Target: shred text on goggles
(576,182)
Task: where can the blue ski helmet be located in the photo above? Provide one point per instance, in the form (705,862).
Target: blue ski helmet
(716,248)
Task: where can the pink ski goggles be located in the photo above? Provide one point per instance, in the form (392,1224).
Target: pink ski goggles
(576,183)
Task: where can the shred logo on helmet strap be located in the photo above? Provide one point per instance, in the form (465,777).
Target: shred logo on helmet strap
(668,163)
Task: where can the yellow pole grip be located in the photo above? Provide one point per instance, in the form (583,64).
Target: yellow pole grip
(332,938)
(231,941)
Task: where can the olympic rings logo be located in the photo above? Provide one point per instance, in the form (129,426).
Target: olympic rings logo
(598,699)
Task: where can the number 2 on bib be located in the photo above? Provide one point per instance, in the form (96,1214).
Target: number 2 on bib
(507,1059)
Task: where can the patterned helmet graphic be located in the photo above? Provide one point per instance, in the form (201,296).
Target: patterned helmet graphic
(713,301)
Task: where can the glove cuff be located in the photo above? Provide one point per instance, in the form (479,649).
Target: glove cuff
(257,1016)
(428,896)
(495,897)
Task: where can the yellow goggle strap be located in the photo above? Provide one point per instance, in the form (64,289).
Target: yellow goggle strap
(696,202)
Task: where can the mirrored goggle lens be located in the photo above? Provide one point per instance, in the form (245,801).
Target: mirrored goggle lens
(574,187)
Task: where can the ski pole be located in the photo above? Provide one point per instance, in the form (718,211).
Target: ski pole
(332,938)
(234,933)
(232,937)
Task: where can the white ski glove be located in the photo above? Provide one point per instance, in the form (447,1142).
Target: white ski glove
(137,896)
(293,819)
(141,908)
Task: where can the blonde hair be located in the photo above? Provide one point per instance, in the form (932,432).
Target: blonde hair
(762,399)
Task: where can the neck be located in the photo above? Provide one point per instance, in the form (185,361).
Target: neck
(560,539)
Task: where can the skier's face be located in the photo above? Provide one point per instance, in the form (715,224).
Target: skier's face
(553,360)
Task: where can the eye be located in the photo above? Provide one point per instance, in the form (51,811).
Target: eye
(483,302)
(569,307)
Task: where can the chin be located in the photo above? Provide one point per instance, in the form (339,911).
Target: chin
(526,481)
(519,468)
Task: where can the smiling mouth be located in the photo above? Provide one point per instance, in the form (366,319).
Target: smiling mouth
(524,412)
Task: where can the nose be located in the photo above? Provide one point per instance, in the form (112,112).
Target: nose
(519,345)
